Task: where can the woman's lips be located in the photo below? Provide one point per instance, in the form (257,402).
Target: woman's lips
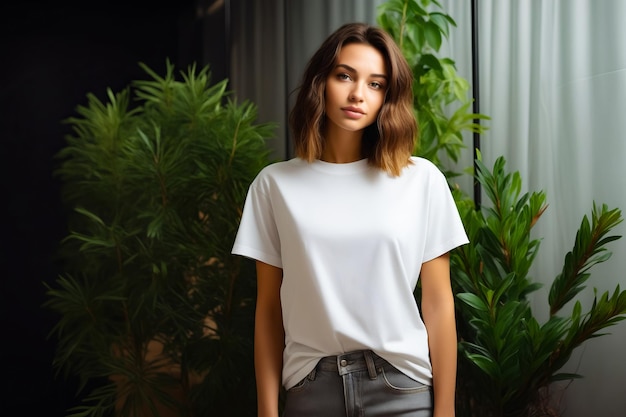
(353,112)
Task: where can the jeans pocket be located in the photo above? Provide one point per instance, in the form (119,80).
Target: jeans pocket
(396,381)
(300,386)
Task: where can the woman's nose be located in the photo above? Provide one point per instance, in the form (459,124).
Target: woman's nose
(356,94)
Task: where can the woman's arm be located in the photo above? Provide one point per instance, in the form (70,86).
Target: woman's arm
(438,315)
(269,339)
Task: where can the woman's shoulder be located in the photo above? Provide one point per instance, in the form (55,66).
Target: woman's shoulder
(281,167)
(278,171)
(423,165)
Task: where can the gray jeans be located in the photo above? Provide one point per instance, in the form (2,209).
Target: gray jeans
(358,384)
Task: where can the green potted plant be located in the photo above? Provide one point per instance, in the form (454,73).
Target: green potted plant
(508,358)
(155,316)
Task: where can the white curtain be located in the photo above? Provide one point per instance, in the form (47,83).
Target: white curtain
(552,78)
(552,75)
(258,71)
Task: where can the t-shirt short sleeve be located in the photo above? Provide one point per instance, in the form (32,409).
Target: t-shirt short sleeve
(445,230)
(258,237)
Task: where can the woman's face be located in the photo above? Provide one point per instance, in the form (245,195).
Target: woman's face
(355,88)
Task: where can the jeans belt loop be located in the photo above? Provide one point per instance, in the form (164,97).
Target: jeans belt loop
(371,367)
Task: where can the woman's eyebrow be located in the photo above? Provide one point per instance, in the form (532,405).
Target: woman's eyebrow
(349,68)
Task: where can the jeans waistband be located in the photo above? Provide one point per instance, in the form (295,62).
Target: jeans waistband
(346,363)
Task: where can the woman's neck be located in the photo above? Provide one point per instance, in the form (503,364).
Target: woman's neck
(342,147)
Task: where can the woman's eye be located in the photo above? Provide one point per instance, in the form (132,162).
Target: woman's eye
(376,85)
(344,77)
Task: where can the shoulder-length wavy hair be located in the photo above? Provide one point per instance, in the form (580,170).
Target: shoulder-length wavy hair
(387,143)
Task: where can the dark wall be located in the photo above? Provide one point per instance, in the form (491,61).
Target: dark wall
(52,55)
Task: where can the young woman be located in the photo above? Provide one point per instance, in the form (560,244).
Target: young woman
(340,235)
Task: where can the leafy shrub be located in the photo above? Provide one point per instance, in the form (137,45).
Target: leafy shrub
(154,311)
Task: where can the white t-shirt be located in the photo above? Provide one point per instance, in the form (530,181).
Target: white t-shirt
(351,240)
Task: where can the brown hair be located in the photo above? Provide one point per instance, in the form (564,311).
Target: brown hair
(389,142)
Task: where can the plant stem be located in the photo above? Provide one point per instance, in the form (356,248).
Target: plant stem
(403,22)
